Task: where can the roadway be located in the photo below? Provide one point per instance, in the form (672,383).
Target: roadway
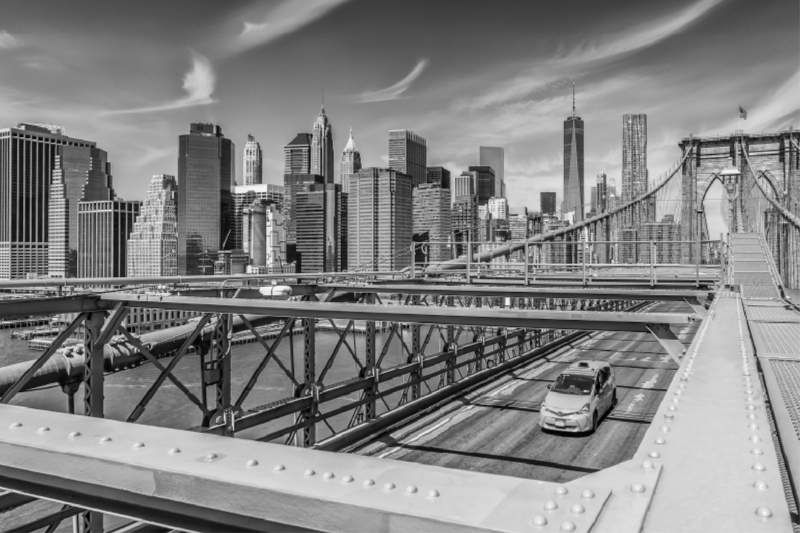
(494,429)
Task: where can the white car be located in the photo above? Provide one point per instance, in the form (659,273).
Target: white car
(579,398)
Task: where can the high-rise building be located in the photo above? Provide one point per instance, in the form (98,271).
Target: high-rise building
(103,230)
(297,155)
(252,162)
(292,185)
(80,173)
(205,177)
(322,147)
(498,208)
(438,176)
(465,220)
(27,157)
(408,154)
(153,242)
(573,164)
(634,164)
(254,233)
(465,185)
(602,193)
(321,228)
(494,156)
(485,183)
(351,162)
(245,195)
(276,241)
(547,203)
(593,200)
(380,220)
(432,215)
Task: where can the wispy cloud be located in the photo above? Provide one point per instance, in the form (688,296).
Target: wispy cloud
(395,91)
(278,20)
(198,83)
(8,41)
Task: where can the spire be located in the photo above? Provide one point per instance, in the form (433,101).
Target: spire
(351,143)
(322,107)
(573,98)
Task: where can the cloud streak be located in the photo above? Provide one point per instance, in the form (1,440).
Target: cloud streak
(395,91)
(198,83)
(8,41)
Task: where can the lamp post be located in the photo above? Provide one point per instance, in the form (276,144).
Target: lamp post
(730,179)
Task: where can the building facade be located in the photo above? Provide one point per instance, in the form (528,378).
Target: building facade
(351,162)
(254,233)
(153,242)
(408,154)
(465,185)
(438,176)
(573,165)
(245,195)
(432,215)
(498,208)
(321,229)
(80,173)
(634,165)
(322,147)
(465,221)
(103,231)
(252,162)
(547,203)
(494,156)
(380,220)
(292,185)
(205,211)
(297,155)
(484,183)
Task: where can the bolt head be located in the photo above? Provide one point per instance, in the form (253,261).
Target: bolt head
(672,408)
(664,429)
(647,464)
(764,512)
(577,509)
(539,520)
(751,407)
(347,479)
(678,392)
(660,440)
(174,450)
(638,488)
(433,493)
(676,400)
(252,462)
(309,473)
(138,444)
(685,377)
(561,490)
(654,454)
(279,468)
(411,489)
(368,482)
(755,438)
(43,429)
(567,526)
(753,426)
(752,416)
(759,466)
(587,494)
(15,425)
(669,416)
(550,505)
(388,486)
(74,434)
(757,451)
(105,439)
(211,457)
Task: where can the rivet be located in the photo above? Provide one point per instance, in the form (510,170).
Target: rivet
(638,488)
(279,468)
(665,429)
(433,493)
(577,509)
(411,489)
(681,385)
(74,434)
(758,466)
(368,482)
(760,485)
(138,444)
(669,416)
(550,505)
(105,439)
(43,429)
(660,440)
(561,490)
(15,425)
(755,438)
(388,486)
(673,408)
(647,464)
(347,479)
(764,512)
(751,407)
(676,400)
(749,398)
(328,475)
(685,377)
(567,526)
(252,462)
(309,473)
(174,450)
(746,372)
(211,457)
(654,454)
(587,494)
(756,451)
(753,426)
(752,416)
(678,392)
(539,520)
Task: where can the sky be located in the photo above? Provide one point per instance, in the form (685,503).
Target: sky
(463,73)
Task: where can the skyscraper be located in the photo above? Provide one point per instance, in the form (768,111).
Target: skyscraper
(103,230)
(634,163)
(573,163)
(80,173)
(321,228)
(153,243)
(465,185)
(494,156)
(438,176)
(408,154)
(322,147)
(432,215)
(252,162)
(292,185)
(205,176)
(602,193)
(351,162)
(547,203)
(465,220)
(485,183)
(380,220)
(254,232)
(297,155)
(498,208)
(245,195)
(27,157)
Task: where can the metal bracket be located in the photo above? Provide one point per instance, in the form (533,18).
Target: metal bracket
(699,309)
(667,339)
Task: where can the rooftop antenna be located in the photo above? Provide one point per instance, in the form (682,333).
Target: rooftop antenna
(323,98)
(573,98)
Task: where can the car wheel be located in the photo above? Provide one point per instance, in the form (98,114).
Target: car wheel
(594,423)
(613,400)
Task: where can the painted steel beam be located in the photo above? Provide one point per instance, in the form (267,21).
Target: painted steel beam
(23,307)
(201,482)
(525,292)
(483,317)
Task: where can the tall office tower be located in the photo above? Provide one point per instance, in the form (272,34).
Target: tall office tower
(27,157)
(322,147)
(254,233)
(494,156)
(498,208)
(634,162)
(103,230)
(321,229)
(465,185)
(465,220)
(408,154)
(438,176)
(602,193)
(153,243)
(276,241)
(547,203)
(432,215)
(485,187)
(593,200)
(245,195)
(252,162)
(351,162)
(205,177)
(380,220)
(80,173)
(292,185)
(297,155)
(573,164)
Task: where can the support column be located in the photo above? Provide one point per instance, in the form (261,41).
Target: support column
(416,388)
(451,344)
(93,403)
(309,380)
(371,368)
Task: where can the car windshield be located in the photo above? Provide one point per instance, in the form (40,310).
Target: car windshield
(573,384)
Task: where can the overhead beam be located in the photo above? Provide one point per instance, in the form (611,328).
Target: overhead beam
(483,317)
(22,307)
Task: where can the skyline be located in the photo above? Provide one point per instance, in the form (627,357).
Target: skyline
(260,70)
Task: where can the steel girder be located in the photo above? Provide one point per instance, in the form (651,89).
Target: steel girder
(21,307)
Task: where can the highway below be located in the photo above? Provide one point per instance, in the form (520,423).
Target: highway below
(495,429)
